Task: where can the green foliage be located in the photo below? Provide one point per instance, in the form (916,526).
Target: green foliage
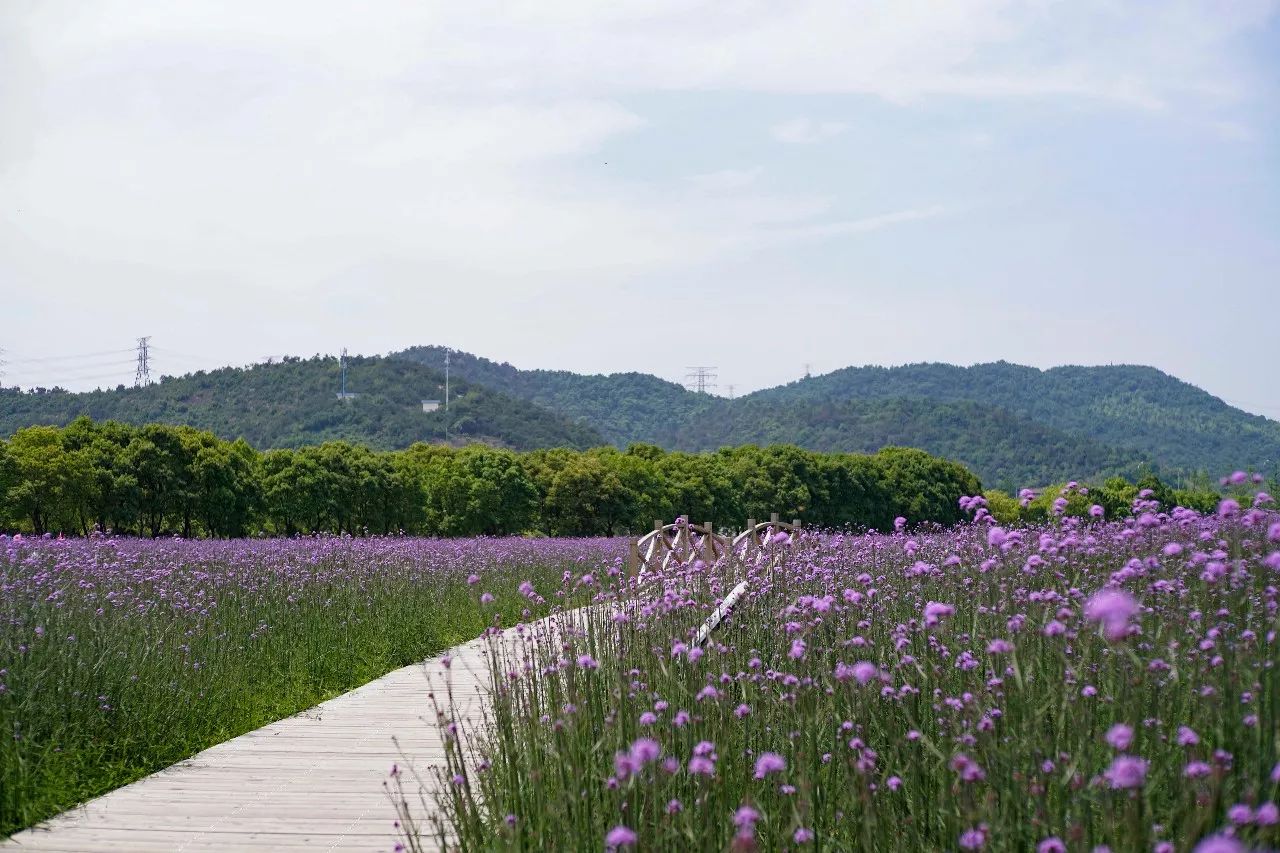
(1014,426)
(1130,412)
(160,479)
(1003,508)
(294,403)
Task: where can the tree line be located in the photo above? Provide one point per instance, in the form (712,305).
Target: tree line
(160,480)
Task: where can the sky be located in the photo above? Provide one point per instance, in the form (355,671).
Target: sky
(761,187)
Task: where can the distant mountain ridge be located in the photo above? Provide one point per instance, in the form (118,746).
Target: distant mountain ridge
(1014,426)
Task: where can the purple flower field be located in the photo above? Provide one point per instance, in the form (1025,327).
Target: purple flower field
(1080,685)
(119,657)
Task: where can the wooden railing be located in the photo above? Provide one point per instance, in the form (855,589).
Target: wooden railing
(685,543)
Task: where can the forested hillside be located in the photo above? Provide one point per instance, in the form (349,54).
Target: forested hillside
(294,403)
(623,407)
(1135,408)
(1008,451)
(1013,426)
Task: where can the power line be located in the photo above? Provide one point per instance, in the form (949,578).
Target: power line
(57,382)
(700,377)
(48,358)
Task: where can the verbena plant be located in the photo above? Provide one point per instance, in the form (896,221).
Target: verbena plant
(1074,685)
(120,657)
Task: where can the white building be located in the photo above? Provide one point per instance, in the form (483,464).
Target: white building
(430,405)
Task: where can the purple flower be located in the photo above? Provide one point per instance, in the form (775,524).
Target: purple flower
(797,649)
(741,711)
(1219,844)
(1240,814)
(588,662)
(745,818)
(969,770)
(934,611)
(769,762)
(620,836)
(674,807)
(973,839)
(999,647)
(644,751)
(864,671)
(486,598)
(1120,736)
(1053,844)
(1267,815)
(1113,608)
(1187,737)
(803,835)
(702,766)
(1126,771)
(1196,770)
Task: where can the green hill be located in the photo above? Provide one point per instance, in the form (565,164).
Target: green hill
(294,403)
(1014,426)
(624,407)
(1177,425)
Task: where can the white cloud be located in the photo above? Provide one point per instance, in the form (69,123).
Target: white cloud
(304,147)
(726,180)
(803,131)
(821,230)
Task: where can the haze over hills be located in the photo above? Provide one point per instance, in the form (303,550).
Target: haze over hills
(1014,426)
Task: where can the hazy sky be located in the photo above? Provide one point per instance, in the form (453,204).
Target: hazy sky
(643,185)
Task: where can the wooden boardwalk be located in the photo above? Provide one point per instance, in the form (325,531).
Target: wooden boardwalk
(313,781)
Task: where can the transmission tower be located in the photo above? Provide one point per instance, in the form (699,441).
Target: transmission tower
(700,378)
(807,365)
(143,376)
